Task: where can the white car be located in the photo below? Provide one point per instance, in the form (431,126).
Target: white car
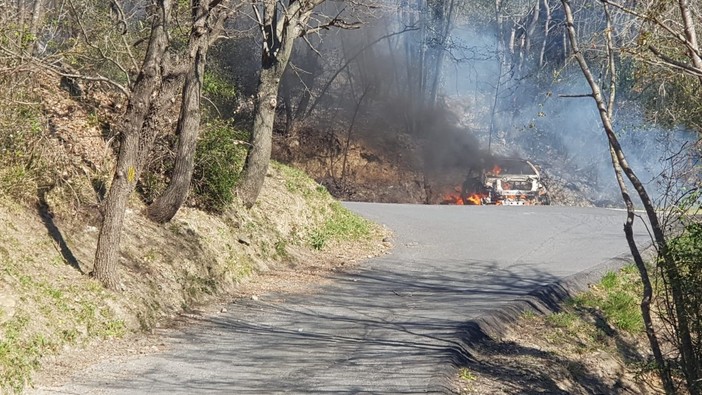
(505,181)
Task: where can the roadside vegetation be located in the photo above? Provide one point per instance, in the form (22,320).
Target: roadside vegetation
(50,217)
(595,343)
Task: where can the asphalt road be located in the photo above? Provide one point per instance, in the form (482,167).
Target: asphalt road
(395,325)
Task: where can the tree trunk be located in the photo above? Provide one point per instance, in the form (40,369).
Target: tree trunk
(259,156)
(547,25)
(440,51)
(690,34)
(669,268)
(133,148)
(647,294)
(169,202)
(366,89)
(277,47)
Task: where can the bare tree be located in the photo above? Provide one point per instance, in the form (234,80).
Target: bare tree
(668,28)
(136,141)
(669,268)
(208,18)
(280,25)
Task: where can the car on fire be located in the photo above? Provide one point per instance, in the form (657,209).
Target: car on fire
(505,181)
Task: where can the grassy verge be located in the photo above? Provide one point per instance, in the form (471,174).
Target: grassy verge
(595,343)
(336,223)
(41,314)
(341,226)
(617,297)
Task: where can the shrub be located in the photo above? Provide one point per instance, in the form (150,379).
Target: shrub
(219,158)
(22,171)
(686,252)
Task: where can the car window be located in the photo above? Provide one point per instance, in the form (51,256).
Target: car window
(515,167)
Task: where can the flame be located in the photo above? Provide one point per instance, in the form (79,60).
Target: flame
(496,170)
(475,199)
(453,197)
(456,197)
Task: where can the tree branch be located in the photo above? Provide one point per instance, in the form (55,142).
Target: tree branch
(679,36)
(575,96)
(674,63)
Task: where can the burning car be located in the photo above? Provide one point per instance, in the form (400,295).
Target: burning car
(505,181)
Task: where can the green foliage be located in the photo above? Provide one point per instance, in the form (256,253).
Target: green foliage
(617,297)
(622,308)
(670,97)
(609,281)
(341,225)
(562,319)
(465,374)
(678,95)
(318,239)
(22,170)
(686,249)
(686,252)
(221,90)
(81,318)
(102,46)
(299,183)
(214,84)
(281,249)
(219,158)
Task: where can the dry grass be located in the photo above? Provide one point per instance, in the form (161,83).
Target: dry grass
(50,307)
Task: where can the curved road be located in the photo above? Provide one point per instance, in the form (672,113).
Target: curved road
(393,326)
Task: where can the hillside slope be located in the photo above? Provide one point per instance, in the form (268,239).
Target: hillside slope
(52,178)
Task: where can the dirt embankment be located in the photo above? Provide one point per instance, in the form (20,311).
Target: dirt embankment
(52,311)
(389,170)
(51,305)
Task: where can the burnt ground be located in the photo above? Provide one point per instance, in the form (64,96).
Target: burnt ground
(388,170)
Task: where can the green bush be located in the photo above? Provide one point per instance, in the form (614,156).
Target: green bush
(221,91)
(686,252)
(214,84)
(219,158)
(686,249)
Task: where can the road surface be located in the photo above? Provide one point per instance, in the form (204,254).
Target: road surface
(395,325)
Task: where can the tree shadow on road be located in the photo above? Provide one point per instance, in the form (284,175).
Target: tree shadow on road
(400,329)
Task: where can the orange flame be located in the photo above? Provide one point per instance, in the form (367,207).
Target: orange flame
(453,197)
(496,170)
(475,199)
(456,197)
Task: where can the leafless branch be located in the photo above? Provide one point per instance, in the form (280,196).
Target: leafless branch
(207,99)
(100,51)
(96,78)
(312,48)
(574,96)
(351,59)
(122,21)
(674,63)
(677,35)
(611,63)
